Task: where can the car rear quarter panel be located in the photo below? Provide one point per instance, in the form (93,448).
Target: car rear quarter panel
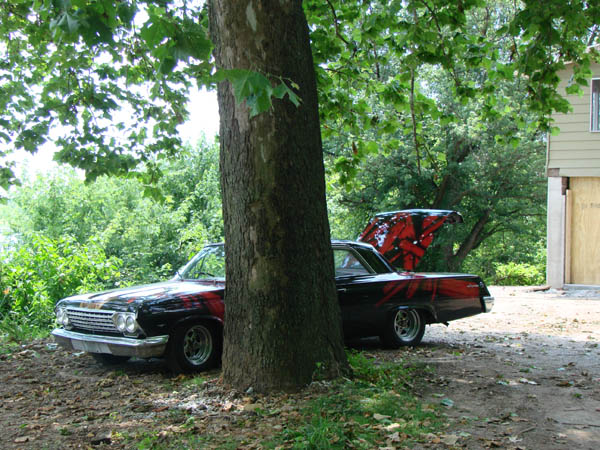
(366,302)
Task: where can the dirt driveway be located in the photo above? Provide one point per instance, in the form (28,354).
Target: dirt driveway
(525,376)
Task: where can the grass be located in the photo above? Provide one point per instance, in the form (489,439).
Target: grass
(377,408)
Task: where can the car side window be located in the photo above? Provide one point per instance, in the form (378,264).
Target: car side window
(347,264)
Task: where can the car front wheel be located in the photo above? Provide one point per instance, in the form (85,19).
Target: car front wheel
(194,347)
(404,328)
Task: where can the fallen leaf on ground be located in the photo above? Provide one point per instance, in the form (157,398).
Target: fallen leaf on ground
(526,381)
(160,409)
(393,426)
(449,439)
(252,407)
(227,406)
(447,402)
(492,444)
(394,437)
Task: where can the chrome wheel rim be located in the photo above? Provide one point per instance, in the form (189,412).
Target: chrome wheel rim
(407,324)
(197,345)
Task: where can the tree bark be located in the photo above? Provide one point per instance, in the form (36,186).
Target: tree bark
(282,313)
(471,242)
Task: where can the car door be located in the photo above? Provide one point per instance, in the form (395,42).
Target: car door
(356,291)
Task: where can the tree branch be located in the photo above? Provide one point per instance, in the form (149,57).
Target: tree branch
(337,25)
(414,119)
(472,240)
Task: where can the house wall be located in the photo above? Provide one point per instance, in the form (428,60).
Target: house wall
(575,151)
(573,167)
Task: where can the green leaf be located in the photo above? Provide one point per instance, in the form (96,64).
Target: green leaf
(255,89)
(167,65)
(281,90)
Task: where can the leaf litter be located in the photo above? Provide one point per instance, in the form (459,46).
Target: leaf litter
(55,399)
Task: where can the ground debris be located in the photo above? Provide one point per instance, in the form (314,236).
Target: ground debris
(51,398)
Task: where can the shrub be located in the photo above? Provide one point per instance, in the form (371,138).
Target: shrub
(519,274)
(45,270)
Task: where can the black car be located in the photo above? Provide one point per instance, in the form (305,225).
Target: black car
(182,319)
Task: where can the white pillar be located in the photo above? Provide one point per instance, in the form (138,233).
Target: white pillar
(555,258)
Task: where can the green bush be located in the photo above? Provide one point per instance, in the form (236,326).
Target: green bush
(518,274)
(43,271)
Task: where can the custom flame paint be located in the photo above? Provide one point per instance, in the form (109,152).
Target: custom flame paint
(403,236)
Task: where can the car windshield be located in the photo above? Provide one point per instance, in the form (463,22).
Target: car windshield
(208,264)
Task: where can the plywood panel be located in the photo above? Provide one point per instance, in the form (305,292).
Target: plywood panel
(585,230)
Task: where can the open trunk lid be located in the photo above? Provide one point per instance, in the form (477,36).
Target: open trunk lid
(403,236)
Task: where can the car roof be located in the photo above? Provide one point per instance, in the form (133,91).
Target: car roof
(347,242)
(350,243)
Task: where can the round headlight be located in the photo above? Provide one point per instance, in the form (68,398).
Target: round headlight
(130,324)
(60,315)
(120,322)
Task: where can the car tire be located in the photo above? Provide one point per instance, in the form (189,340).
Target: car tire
(405,327)
(194,347)
(107,359)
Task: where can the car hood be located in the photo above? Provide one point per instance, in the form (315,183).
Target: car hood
(150,293)
(403,236)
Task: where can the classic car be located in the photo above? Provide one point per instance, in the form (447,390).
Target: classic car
(182,319)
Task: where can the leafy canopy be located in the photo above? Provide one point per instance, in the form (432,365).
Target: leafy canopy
(107,81)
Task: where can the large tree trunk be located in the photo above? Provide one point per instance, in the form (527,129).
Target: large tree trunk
(282,314)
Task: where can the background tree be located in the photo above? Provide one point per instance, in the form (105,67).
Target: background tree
(432,105)
(151,238)
(491,171)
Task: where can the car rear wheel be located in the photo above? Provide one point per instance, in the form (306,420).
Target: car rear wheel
(194,347)
(404,328)
(107,359)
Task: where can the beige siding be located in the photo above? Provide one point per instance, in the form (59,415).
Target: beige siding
(575,151)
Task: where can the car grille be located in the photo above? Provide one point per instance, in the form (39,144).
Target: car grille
(91,319)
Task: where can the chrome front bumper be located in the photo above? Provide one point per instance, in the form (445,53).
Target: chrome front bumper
(122,346)
(488,303)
